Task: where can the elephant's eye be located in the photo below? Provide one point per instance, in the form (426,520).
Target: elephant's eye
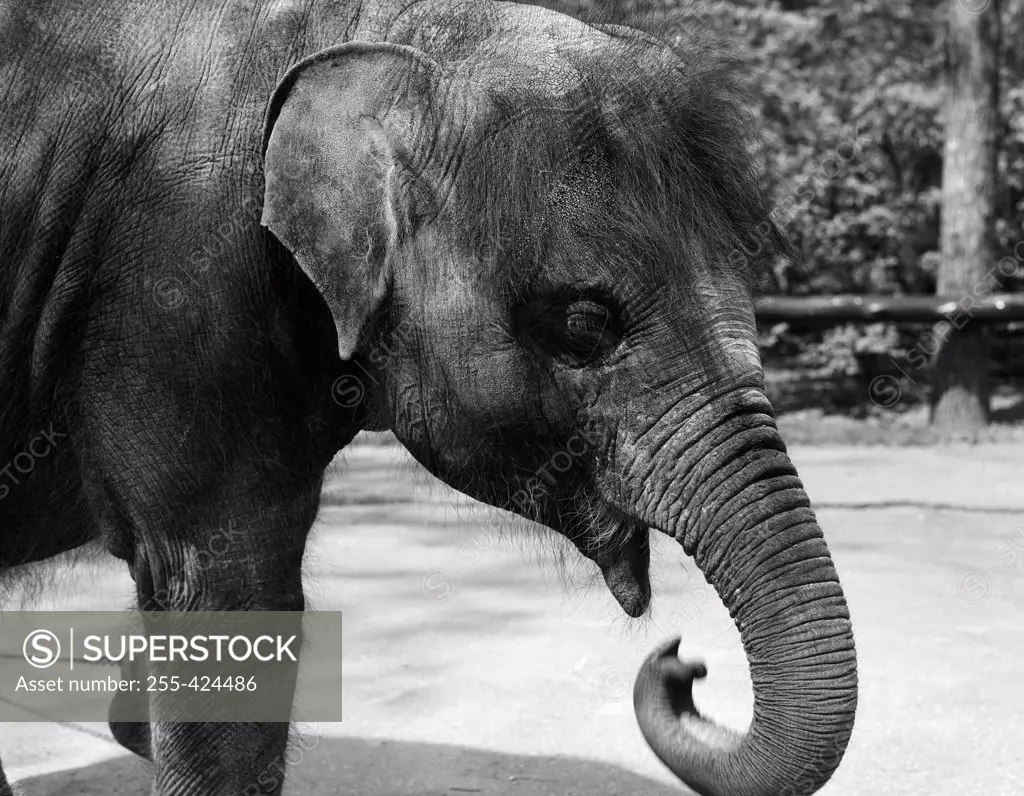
(588,330)
(576,332)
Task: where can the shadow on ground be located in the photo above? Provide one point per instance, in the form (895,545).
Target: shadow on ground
(376,768)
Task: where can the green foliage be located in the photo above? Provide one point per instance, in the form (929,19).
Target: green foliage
(837,351)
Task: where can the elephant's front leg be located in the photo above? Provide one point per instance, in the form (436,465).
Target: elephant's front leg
(241,558)
(223,759)
(202,759)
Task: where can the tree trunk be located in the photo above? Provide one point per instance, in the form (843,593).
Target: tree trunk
(960,403)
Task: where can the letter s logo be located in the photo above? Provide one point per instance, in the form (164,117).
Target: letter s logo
(41,648)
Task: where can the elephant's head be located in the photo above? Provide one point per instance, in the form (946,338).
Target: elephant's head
(531,235)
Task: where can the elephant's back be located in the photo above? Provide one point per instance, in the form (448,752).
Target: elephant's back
(102,97)
(130,159)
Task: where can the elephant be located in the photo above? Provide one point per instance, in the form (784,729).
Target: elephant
(234,234)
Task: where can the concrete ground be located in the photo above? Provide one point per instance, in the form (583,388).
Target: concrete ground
(471,667)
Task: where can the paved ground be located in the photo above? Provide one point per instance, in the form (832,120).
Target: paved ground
(471,668)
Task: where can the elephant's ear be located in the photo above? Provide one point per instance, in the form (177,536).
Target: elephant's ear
(340,189)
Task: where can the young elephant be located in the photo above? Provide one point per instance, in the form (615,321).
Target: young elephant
(512,238)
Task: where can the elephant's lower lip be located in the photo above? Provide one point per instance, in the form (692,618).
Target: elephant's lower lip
(627,575)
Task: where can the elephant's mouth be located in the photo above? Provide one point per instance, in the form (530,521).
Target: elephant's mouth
(627,571)
(619,545)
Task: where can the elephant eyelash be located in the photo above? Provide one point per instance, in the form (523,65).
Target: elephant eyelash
(577,331)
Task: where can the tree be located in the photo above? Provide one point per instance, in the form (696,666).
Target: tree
(960,405)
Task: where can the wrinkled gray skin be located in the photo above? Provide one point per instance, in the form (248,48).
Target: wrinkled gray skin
(347,224)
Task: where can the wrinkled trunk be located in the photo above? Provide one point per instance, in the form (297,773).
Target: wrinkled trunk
(732,497)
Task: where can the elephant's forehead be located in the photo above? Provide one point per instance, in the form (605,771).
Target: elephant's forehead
(505,47)
(528,47)
(503,64)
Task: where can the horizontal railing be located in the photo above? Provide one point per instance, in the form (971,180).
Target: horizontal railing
(830,310)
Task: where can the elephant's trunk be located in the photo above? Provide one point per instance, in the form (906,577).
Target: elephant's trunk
(750,529)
